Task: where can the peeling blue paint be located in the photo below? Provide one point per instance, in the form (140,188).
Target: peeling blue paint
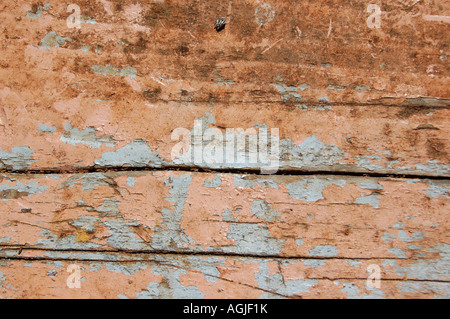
(313,263)
(434,167)
(114,71)
(289,92)
(353,292)
(439,290)
(32,188)
(38,13)
(170,232)
(46,129)
(403,236)
(354,263)
(311,189)
(397,252)
(216,182)
(18,159)
(263,210)
(398,225)
(311,151)
(323,251)
(134,154)
(74,136)
(89,181)
(227,216)
(362,89)
(277,284)
(336,87)
(429,269)
(52,40)
(253,239)
(388,237)
(434,191)
(372,200)
(131,181)
(241,181)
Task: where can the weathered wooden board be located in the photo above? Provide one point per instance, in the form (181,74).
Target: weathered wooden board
(46,274)
(344,139)
(359,100)
(291,216)
(89,176)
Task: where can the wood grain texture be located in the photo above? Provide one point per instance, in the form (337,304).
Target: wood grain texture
(88,178)
(184,276)
(224,235)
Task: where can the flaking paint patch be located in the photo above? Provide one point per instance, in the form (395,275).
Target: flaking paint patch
(288,93)
(227,216)
(353,292)
(39,10)
(263,210)
(20,189)
(214,183)
(388,237)
(372,200)
(46,129)
(311,151)
(276,282)
(122,236)
(323,251)
(89,181)
(131,181)
(134,154)
(434,167)
(74,136)
(110,207)
(53,40)
(362,89)
(354,263)
(253,239)
(50,240)
(430,269)
(434,191)
(311,189)
(120,268)
(403,236)
(18,159)
(171,232)
(170,287)
(114,71)
(440,290)
(397,252)
(313,263)
(243,181)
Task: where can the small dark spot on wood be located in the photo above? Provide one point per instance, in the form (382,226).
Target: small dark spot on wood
(220,24)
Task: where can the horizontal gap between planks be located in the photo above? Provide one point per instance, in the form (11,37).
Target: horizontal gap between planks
(22,248)
(441,103)
(235,171)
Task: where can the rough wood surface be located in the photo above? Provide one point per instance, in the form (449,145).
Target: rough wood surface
(88,178)
(282,236)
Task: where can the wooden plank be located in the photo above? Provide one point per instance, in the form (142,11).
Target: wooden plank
(174,46)
(43,274)
(291,216)
(336,110)
(91,175)
(348,139)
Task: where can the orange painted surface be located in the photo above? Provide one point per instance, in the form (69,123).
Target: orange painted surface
(101,127)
